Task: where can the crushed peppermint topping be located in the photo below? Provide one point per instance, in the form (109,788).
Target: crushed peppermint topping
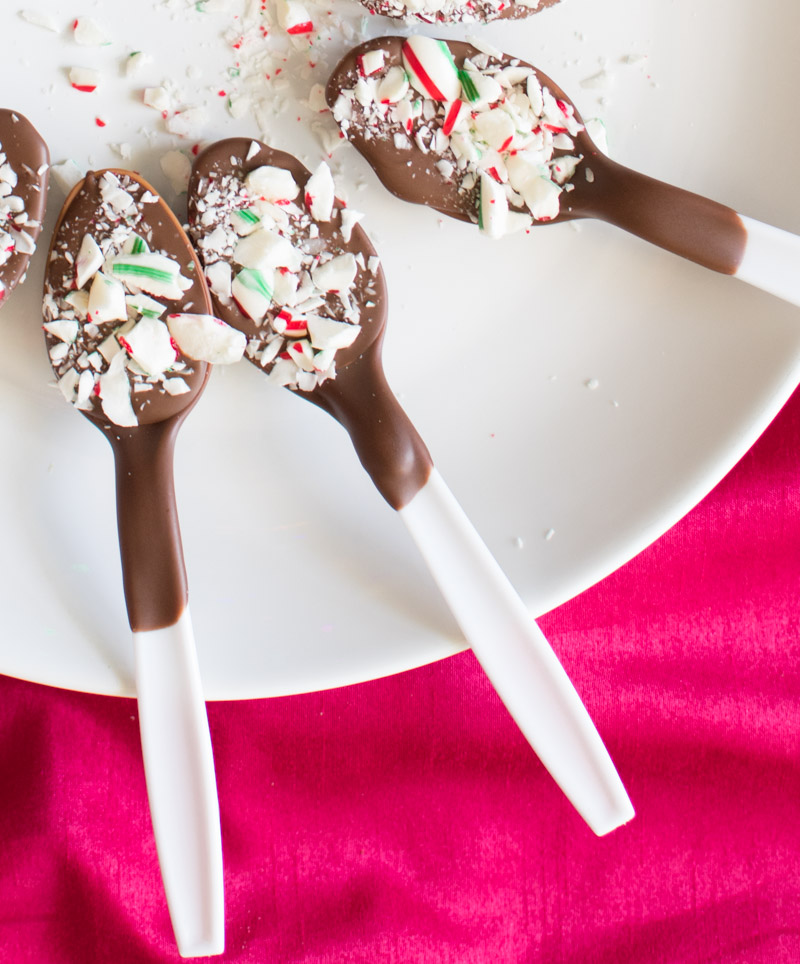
(453,11)
(107,336)
(278,254)
(504,139)
(13,217)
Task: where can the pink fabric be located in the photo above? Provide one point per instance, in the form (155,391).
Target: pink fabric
(406,820)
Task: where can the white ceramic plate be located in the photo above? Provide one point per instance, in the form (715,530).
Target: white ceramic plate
(579,390)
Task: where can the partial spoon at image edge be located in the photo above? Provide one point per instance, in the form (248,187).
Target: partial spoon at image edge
(687,224)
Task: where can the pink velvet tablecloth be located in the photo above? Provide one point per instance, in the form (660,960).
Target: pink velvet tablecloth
(407,820)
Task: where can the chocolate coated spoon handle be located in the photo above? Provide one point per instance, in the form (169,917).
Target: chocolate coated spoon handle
(694,227)
(687,224)
(153,571)
(176,743)
(508,644)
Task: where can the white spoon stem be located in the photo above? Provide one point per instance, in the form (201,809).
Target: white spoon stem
(181,785)
(516,657)
(771,260)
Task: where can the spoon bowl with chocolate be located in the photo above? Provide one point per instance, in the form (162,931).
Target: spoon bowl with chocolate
(130,335)
(24,174)
(456,11)
(289,266)
(491,140)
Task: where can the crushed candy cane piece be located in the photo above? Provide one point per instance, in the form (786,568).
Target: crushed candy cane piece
(63,329)
(319,193)
(189,122)
(149,344)
(178,168)
(206,338)
(252,291)
(84,79)
(66,175)
(293,17)
(393,87)
(106,300)
(154,273)
(326,333)
(371,62)
(90,259)
(431,68)
(115,393)
(88,33)
(271,184)
(136,63)
(156,97)
(338,274)
(40,20)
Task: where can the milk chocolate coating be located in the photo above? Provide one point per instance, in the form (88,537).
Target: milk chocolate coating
(686,224)
(359,397)
(477,12)
(82,214)
(153,571)
(27,154)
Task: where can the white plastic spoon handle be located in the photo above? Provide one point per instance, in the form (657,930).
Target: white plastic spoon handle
(181,785)
(771,260)
(516,657)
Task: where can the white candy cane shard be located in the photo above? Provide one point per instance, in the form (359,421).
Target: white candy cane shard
(371,62)
(206,338)
(84,79)
(326,333)
(89,260)
(106,300)
(68,384)
(245,221)
(79,302)
(264,249)
(178,168)
(143,304)
(431,68)
(542,197)
(88,33)
(338,274)
(319,193)
(149,344)
(64,329)
(136,63)
(157,98)
(273,184)
(135,244)
(66,175)
(189,122)
(350,219)
(115,393)
(293,17)
(393,87)
(252,291)
(40,20)
(219,277)
(493,207)
(153,273)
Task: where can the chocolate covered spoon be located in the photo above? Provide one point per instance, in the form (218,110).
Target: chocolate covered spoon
(456,11)
(119,261)
(288,266)
(24,173)
(494,141)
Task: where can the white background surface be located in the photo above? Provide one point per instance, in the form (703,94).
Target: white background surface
(300,576)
